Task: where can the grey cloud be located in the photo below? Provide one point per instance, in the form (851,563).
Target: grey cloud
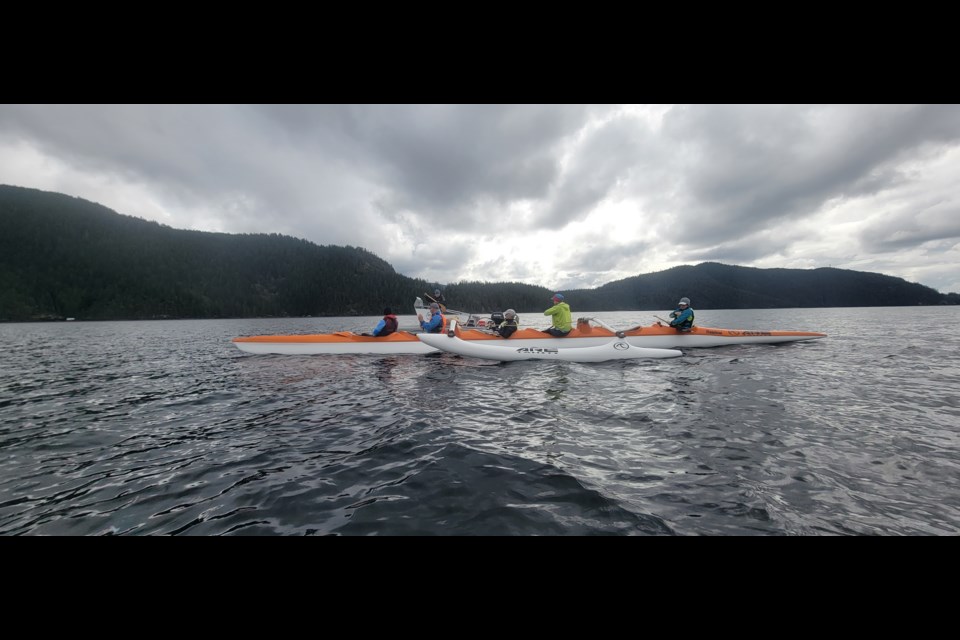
(732,253)
(180,143)
(599,254)
(464,168)
(912,228)
(748,167)
(605,160)
(440,160)
(753,246)
(597,261)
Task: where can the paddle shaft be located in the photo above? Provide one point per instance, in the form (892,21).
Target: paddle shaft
(443,307)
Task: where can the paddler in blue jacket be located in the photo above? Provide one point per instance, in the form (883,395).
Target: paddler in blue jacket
(436,323)
(682,316)
(387,325)
(559,316)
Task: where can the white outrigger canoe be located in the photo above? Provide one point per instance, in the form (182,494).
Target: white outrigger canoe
(474,342)
(478,344)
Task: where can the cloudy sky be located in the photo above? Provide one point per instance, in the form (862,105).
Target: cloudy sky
(563,196)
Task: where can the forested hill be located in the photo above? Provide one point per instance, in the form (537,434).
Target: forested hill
(718,286)
(62,256)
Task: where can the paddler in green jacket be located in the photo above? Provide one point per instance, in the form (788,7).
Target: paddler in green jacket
(559,316)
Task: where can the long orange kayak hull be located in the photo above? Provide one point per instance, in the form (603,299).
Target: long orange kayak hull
(341,342)
(583,335)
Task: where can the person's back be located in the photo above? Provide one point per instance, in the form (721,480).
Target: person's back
(560,317)
(387,325)
(509,325)
(682,316)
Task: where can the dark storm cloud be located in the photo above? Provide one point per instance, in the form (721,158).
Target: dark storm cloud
(438,161)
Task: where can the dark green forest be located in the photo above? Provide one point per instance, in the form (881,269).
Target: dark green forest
(62,256)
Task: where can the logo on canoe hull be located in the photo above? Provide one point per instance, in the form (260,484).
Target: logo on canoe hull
(537,350)
(621,345)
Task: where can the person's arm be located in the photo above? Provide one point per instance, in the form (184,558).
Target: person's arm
(379,327)
(432,324)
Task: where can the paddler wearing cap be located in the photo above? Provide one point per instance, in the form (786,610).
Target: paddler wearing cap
(682,316)
(437,323)
(560,317)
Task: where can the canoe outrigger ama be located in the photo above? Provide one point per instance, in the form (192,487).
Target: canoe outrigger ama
(584,343)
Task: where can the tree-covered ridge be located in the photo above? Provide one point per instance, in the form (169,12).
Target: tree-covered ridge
(62,256)
(67,257)
(710,285)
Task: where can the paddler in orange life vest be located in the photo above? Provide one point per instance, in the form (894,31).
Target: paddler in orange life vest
(437,323)
(387,325)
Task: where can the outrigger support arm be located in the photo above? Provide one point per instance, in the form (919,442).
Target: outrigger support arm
(620,334)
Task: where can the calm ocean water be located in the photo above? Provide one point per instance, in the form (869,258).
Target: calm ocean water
(120,428)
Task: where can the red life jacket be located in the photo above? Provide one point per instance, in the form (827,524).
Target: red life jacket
(389,325)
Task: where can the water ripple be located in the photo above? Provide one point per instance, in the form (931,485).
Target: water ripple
(165,428)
